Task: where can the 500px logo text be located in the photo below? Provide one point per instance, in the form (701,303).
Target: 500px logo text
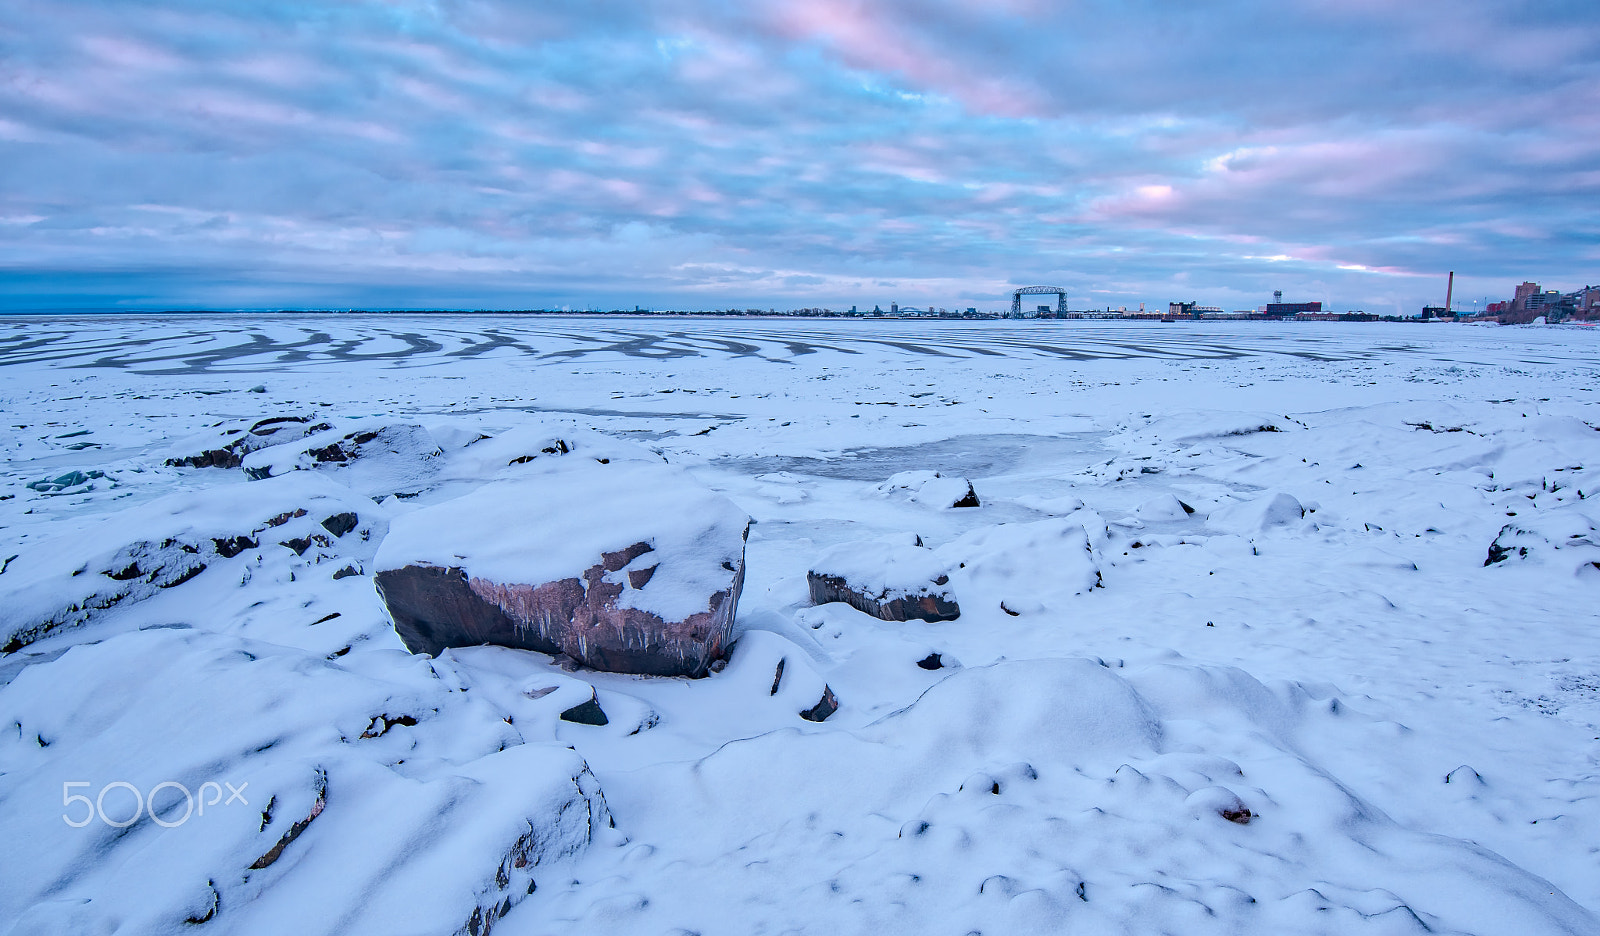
(120,816)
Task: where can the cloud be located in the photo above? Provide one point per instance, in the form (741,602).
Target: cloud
(790,152)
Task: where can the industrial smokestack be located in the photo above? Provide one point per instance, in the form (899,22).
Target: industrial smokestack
(1449,291)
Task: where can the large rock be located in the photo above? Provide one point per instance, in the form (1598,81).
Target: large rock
(893,579)
(624,566)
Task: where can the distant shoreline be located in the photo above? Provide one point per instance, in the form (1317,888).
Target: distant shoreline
(1087,316)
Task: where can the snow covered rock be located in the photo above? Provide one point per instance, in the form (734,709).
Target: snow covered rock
(373,457)
(228,449)
(1009,569)
(931,488)
(628,567)
(470,455)
(545,703)
(1163,509)
(258,789)
(1021,568)
(1189,428)
(894,579)
(131,555)
(1257,514)
(772,670)
(1559,534)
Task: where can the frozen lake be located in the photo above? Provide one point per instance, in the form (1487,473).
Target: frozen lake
(197,344)
(1323,637)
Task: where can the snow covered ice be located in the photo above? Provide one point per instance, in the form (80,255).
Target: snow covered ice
(1262,628)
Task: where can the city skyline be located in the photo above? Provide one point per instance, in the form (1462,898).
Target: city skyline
(480,155)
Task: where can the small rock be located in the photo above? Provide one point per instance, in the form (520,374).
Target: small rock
(827,705)
(340,523)
(229,546)
(1219,801)
(586,713)
(931,488)
(1163,509)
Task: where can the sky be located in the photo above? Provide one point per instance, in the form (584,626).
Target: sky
(792,153)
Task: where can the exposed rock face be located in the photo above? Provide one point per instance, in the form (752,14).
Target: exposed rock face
(435,608)
(520,564)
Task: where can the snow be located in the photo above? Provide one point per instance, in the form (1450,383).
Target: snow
(1375,631)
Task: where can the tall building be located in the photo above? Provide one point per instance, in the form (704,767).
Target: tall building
(1525,292)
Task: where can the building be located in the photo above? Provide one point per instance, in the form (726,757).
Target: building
(1532,303)
(1286,309)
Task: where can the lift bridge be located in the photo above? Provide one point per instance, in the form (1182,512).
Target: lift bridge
(1016,298)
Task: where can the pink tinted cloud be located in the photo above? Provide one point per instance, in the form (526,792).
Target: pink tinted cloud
(1281,179)
(868,38)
